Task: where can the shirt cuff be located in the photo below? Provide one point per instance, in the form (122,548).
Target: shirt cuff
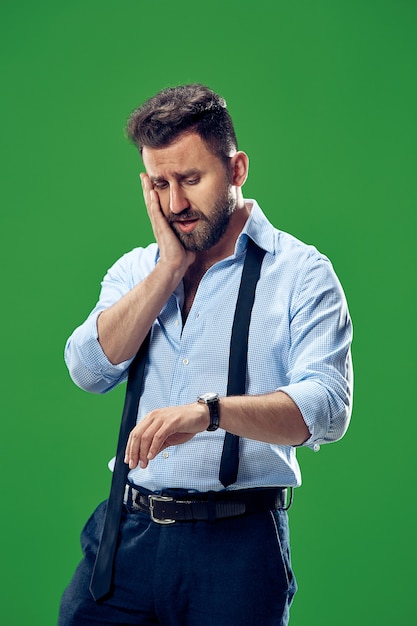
(313,403)
(88,365)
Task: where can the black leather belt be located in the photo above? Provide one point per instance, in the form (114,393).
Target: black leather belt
(181,506)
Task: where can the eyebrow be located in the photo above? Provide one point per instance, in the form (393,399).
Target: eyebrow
(178,175)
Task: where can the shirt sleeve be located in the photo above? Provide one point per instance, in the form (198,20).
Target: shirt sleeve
(319,361)
(88,365)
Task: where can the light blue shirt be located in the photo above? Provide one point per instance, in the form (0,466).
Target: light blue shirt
(299,343)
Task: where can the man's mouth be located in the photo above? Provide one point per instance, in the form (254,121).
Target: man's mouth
(186,226)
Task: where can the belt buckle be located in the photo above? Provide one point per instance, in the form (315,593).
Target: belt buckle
(155,498)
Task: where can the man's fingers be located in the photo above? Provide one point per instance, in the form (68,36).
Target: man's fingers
(147,187)
(157,444)
(144,446)
(132,450)
(160,429)
(153,207)
(149,194)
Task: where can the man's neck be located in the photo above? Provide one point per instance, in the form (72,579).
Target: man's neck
(207,258)
(226,246)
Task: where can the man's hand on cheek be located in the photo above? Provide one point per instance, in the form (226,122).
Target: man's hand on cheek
(171,250)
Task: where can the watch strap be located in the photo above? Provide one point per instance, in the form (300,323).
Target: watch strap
(213,406)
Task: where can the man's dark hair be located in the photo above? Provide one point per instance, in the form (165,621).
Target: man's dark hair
(188,108)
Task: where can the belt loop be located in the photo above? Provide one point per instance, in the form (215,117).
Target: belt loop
(288,503)
(128,499)
(211,506)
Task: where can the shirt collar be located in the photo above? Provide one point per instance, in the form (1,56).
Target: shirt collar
(258,228)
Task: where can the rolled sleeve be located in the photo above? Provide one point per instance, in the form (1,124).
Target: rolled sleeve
(326,416)
(319,362)
(88,365)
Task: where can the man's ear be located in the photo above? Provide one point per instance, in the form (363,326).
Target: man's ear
(239,164)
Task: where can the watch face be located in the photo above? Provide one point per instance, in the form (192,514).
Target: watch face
(208,397)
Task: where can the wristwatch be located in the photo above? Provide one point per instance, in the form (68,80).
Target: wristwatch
(212,401)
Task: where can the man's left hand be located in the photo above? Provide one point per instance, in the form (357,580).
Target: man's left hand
(161,428)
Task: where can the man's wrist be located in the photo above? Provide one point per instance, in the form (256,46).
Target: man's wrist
(211,400)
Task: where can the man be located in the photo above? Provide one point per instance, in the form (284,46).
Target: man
(229,565)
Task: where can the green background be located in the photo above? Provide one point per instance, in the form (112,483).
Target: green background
(324,98)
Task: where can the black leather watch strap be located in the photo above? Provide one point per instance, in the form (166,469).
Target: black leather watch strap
(212,401)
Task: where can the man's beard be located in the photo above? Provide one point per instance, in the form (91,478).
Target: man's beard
(211,228)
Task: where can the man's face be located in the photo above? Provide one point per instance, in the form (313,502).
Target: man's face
(194,190)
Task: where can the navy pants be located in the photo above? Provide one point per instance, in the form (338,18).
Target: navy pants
(231,572)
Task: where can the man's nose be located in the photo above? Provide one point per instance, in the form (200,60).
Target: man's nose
(177,199)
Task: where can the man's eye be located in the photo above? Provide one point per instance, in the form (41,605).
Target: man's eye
(193,181)
(161,185)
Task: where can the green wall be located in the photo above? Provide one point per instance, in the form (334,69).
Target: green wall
(324,97)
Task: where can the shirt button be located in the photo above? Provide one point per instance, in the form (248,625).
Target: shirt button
(165,455)
(185,361)
(316,447)
(177,323)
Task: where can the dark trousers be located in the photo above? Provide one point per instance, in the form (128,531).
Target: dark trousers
(231,572)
